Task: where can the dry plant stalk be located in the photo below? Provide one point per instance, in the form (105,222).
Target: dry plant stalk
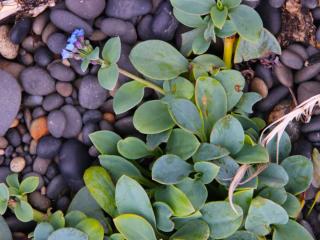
(23,7)
(302,112)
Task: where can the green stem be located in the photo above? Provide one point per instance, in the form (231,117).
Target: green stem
(39,216)
(142,81)
(228,51)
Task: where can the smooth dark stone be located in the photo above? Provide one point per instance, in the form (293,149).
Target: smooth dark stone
(63,203)
(57,187)
(104,125)
(40,165)
(87,9)
(312,126)
(4,172)
(125,63)
(124,126)
(283,74)
(293,130)
(144,28)
(87,130)
(52,101)
(39,202)
(20,30)
(74,121)
(17,226)
(307,90)
(276,3)
(271,17)
(52,171)
(91,116)
(316,13)
(127,9)
(91,94)
(68,21)
(48,147)
(56,42)
(274,96)
(314,136)
(311,4)
(116,27)
(299,49)
(43,56)
(307,73)
(164,24)
(36,81)
(32,101)
(10,99)
(291,59)
(73,160)
(57,123)
(302,147)
(61,72)
(318,35)
(251,3)
(76,65)
(265,74)
(13,137)
(38,112)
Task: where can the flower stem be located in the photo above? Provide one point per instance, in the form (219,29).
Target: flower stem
(228,51)
(141,80)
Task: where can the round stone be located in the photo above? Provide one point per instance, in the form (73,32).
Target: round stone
(64,89)
(87,9)
(36,81)
(57,42)
(73,123)
(17,164)
(91,94)
(61,72)
(56,123)
(127,9)
(52,101)
(48,147)
(8,49)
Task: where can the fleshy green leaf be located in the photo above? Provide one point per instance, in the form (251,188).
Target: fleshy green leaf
(118,166)
(247,22)
(187,39)
(248,50)
(68,233)
(243,199)
(74,217)
(195,190)
(209,152)
(152,117)
(204,64)
(132,198)
(57,220)
(187,19)
(292,230)
(170,169)
(158,60)
(23,211)
(222,220)
(262,213)
(181,221)
(228,133)
(300,170)
(231,3)
(193,230)
(5,230)
(108,76)
(284,147)
(179,87)
(252,154)
(112,50)
(176,199)
(42,231)
(133,148)
(101,187)
(186,115)
(163,213)
(92,228)
(13,180)
(200,45)
(247,101)
(85,64)
(233,83)
(211,99)
(207,170)
(29,185)
(277,195)
(193,6)
(227,30)
(182,144)
(243,235)
(117,236)
(292,206)
(134,227)
(154,140)
(105,141)
(228,168)
(4,197)
(218,16)
(274,176)
(128,96)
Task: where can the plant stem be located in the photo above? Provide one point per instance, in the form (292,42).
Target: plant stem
(228,51)
(142,81)
(39,216)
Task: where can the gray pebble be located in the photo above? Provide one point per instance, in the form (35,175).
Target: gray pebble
(307,73)
(127,9)
(57,42)
(52,101)
(48,147)
(91,116)
(299,49)
(40,165)
(36,81)
(39,202)
(38,112)
(43,56)
(4,172)
(57,123)
(61,72)
(144,28)
(87,9)
(20,30)
(74,121)
(32,101)
(291,59)
(284,75)
(87,130)
(312,126)
(13,137)
(274,96)
(307,90)
(57,187)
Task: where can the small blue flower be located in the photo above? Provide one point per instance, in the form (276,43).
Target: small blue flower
(70,47)
(66,54)
(72,39)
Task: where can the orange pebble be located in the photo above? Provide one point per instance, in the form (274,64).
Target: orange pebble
(14,123)
(109,117)
(39,128)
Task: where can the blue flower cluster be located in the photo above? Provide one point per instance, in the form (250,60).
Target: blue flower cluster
(74,43)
